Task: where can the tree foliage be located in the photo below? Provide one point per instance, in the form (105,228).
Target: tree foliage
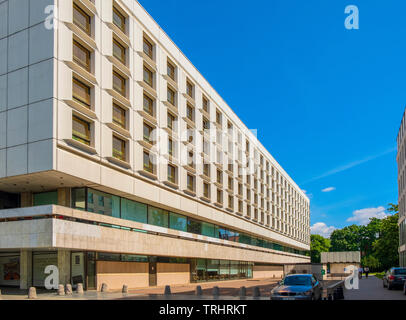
(378,241)
(318,244)
(386,247)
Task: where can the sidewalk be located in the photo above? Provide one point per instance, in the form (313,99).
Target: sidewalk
(228,290)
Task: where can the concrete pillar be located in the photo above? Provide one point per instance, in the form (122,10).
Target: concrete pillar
(64,262)
(64,197)
(26,200)
(25,269)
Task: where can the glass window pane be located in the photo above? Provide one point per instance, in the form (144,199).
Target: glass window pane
(177,222)
(157,217)
(46,198)
(134,211)
(194,226)
(103,203)
(79,199)
(207,229)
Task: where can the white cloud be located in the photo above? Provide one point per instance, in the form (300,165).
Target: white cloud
(322,229)
(362,216)
(329,189)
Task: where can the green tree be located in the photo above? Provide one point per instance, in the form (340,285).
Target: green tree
(386,247)
(371,262)
(346,239)
(318,244)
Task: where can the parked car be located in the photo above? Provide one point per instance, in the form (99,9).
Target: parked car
(297,287)
(395,277)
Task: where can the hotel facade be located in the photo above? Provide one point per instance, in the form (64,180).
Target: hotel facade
(120,164)
(401,160)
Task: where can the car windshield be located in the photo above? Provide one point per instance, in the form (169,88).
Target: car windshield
(400,271)
(297,281)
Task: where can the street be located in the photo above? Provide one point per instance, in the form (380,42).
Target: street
(372,289)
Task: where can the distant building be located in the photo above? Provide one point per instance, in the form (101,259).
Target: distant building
(338,261)
(401,160)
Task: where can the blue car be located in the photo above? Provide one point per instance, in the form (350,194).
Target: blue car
(395,277)
(297,287)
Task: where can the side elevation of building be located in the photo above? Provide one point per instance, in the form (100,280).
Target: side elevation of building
(120,164)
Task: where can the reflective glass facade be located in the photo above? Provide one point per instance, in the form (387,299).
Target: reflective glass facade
(118,207)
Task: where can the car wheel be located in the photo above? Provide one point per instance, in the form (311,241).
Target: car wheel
(389,286)
(383,282)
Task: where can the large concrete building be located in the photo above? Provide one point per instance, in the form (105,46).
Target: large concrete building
(120,164)
(401,144)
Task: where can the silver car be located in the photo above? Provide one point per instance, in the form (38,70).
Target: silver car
(297,287)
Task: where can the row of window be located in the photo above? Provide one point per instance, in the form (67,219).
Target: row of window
(82,94)
(106,204)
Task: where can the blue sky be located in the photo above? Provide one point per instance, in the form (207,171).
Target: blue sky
(328,100)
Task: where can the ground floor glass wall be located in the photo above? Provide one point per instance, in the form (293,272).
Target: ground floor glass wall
(215,270)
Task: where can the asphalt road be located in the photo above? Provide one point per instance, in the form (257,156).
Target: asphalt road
(372,289)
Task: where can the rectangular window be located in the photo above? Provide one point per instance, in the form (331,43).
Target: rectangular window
(81,55)
(190,183)
(206,104)
(171,71)
(148,48)
(119,148)
(177,222)
(219,177)
(134,211)
(119,116)
(206,124)
(189,89)
(119,51)
(119,83)
(230,202)
(170,147)
(45,198)
(148,105)
(194,226)
(81,19)
(148,133)
(218,117)
(171,174)
(206,169)
(148,165)
(103,203)
(81,130)
(81,93)
(148,77)
(119,20)
(219,196)
(158,217)
(171,121)
(171,97)
(190,112)
(206,190)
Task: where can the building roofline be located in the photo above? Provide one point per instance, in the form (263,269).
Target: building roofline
(253,137)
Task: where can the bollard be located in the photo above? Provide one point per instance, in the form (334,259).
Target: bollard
(243,292)
(61,290)
(125,289)
(68,289)
(104,287)
(167,290)
(216,291)
(32,293)
(199,291)
(257,292)
(79,288)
